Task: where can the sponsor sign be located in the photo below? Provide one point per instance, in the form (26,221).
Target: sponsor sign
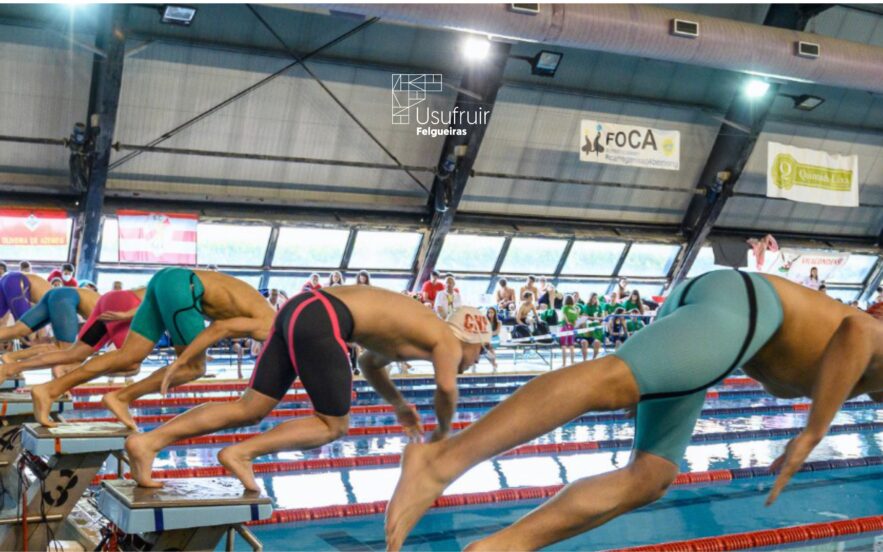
(34,228)
(812,176)
(795,264)
(163,238)
(629,145)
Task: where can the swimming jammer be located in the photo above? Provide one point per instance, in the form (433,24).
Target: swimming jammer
(58,307)
(308,341)
(15,294)
(706,328)
(173,303)
(96,333)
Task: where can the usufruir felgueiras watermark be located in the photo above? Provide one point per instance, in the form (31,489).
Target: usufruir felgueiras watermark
(409,106)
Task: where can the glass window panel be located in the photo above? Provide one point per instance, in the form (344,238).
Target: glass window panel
(844,294)
(646,290)
(14,252)
(290,284)
(855,270)
(254,280)
(231,244)
(469,252)
(533,256)
(593,257)
(704,263)
(310,247)
(474,293)
(649,259)
(394,250)
(110,241)
(585,288)
(395,284)
(130,280)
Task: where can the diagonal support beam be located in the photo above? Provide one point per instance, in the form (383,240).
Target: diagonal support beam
(104,98)
(733,146)
(459,153)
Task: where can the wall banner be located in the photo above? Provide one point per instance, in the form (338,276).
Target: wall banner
(812,176)
(629,145)
(164,238)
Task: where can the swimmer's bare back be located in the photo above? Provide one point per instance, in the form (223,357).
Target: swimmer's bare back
(39,286)
(88,300)
(788,365)
(392,324)
(226,297)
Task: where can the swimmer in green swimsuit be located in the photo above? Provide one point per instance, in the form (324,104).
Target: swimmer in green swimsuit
(793,340)
(178,301)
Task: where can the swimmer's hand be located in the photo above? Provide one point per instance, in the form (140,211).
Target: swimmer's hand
(167,380)
(791,461)
(113,316)
(408,417)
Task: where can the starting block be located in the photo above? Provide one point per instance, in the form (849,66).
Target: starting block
(16,409)
(10,384)
(184,514)
(63,461)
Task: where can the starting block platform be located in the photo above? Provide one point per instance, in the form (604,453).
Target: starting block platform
(185,514)
(10,384)
(74,438)
(20,404)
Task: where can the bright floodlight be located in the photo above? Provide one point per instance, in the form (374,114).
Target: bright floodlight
(756,88)
(475,48)
(178,15)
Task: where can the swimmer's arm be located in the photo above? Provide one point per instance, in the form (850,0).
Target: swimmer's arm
(77,352)
(373,366)
(223,329)
(843,363)
(445,361)
(111,316)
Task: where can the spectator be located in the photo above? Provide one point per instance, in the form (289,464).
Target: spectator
(3,268)
(812,281)
(879,297)
(212,267)
(448,300)
(336,279)
(552,297)
(824,289)
(617,330)
(622,288)
(542,284)
(313,283)
(529,286)
(548,315)
(117,285)
(634,322)
(24,266)
(854,304)
(363,278)
(570,313)
(66,274)
(505,295)
(55,280)
(430,289)
(89,284)
(634,302)
(275,299)
(526,309)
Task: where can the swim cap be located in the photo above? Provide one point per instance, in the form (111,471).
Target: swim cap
(87,283)
(470,325)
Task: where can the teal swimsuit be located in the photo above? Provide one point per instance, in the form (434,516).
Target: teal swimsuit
(173,303)
(706,328)
(59,308)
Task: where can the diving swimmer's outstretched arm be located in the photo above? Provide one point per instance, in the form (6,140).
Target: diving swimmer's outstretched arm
(445,361)
(78,352)
(373,367)
(843,363)
(216,331)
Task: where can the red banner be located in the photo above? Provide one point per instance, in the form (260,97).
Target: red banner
(34,228)
(165,238)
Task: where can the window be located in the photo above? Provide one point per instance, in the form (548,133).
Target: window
(855,270)
(231,244)
(844,294)
(533,256)
(290,284)
(35,236)
(394,250)
(585,288)
(469,252)
(392,283)
(593,257)
(310,247)
(474,293)
(130,280)
(110,241)
(704,263)
(254,280)
(646,290)
(648,259)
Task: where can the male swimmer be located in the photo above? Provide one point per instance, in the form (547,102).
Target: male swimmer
(308,341)
(18,292)
(793,340)
(177,300)
(59,307)
(109,322)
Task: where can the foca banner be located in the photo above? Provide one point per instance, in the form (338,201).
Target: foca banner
(630,145)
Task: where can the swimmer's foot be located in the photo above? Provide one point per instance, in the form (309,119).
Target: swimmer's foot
(42,405)
(141,455)
(240,465)
(420,484)
(120,409)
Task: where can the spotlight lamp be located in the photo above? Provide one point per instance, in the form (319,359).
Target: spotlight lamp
(475,48)
(807,102)
(173,14)
(546,63)
(756,88)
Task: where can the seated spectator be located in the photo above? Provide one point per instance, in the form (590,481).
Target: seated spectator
(363,278)
(448,300)
(634,322)
(313,284)
(117,285)
(634,302)
(430,289)
(55,280)
(617,331)
(336,279)
(3,268)
(552,297)
(824,289)
(525,310)
(591,315)
(879,297)
(622,288)
(275,299)
(548,315)
(531,286)
(25,267)
(505,295)
(812,281)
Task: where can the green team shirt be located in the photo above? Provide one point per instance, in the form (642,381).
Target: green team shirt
(548,316)
(629,306)
(591,310)
(633,325)
(571,313)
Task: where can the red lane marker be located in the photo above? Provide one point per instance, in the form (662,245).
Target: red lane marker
(770,537)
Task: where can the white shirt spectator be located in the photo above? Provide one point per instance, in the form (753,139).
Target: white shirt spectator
(447,300)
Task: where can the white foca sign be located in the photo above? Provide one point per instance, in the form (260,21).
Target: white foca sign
(629,145)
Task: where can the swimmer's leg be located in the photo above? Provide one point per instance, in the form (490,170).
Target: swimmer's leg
(250,409)
(538,407)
